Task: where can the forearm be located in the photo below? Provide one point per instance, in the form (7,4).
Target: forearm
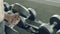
(1,11)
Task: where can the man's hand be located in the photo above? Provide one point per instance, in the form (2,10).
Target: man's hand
(12,18)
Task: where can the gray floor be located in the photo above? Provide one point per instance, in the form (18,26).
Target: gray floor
(44,11)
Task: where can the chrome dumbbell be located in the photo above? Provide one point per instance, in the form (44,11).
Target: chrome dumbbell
(38,27)
(18,8)
(32,16)
(55,19)
(52,27)
(6,7)
(23,12)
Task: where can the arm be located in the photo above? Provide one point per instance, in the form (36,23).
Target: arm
(1,11)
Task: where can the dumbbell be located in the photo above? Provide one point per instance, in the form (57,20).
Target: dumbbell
(51,27)
(28,13)
(6,7)
(32,14)
(21,10)
(18,8)
(55,19)
(37,27)
(45,28)
(30,26)
(25,14)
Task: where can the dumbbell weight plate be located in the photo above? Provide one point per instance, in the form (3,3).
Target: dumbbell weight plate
(32,14)
(23,11)
(55,19)
(6,6)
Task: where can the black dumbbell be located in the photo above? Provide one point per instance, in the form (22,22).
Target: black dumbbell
(43,30)
(18,8)
(6,7)
(23,11)
(55,19)
(32,16)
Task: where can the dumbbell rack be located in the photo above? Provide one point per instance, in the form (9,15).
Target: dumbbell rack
(30,25)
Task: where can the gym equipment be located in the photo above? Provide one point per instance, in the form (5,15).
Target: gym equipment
(55,19)
(6,7)
(29,22)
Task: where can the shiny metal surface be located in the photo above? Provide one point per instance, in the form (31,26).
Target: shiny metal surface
(44,9)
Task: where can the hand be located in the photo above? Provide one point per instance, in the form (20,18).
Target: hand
(12,18)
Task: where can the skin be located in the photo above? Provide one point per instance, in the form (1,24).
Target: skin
(12,18)
(1,11)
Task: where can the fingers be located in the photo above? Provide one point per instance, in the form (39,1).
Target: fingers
(14,19)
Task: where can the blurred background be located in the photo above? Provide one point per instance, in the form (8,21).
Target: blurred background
(44,9)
